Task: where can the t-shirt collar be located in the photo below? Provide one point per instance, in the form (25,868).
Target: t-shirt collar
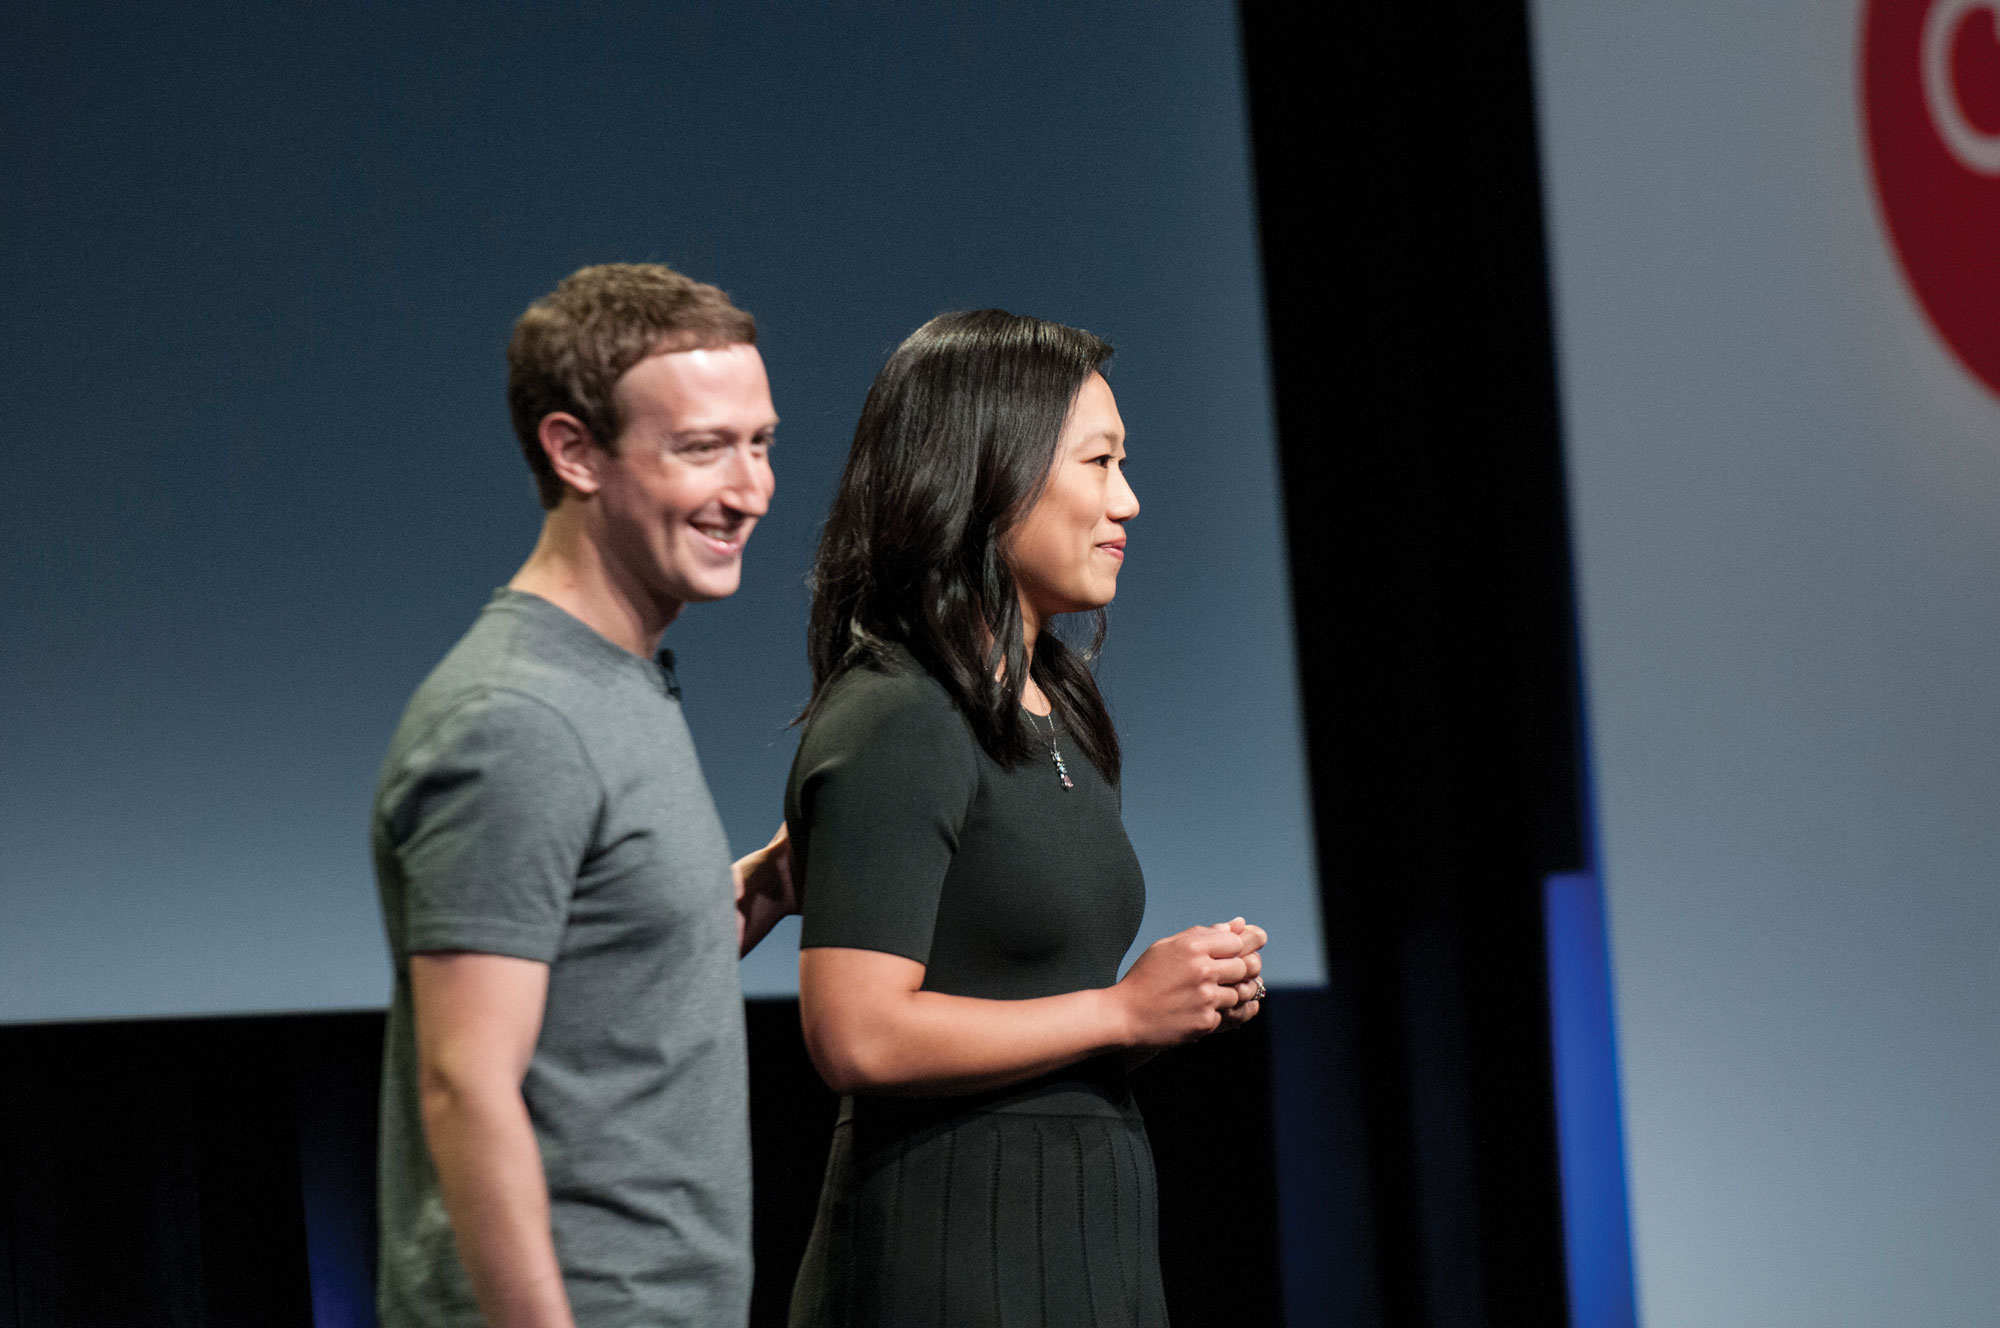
(658,672)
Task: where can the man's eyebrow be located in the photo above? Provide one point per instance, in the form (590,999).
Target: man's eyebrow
(716,431)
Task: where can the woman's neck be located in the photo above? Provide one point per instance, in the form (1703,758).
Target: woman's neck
(1032,695)
(1031,627)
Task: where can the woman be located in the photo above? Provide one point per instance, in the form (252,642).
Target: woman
(967,884)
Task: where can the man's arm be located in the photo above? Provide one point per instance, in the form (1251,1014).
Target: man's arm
(764,890)
(477,1019)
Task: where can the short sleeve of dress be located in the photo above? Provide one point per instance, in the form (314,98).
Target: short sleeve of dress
(885,776)
(490,816)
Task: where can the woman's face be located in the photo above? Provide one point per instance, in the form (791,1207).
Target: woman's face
(1065,554)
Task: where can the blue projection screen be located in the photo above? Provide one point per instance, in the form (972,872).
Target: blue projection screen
(261,263)
(1784,466)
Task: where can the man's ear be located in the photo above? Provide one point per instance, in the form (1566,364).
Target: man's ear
(570,450)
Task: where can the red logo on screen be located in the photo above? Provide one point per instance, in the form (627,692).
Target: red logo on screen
(1930,84)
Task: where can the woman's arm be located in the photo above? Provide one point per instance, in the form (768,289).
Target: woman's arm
(872,1029)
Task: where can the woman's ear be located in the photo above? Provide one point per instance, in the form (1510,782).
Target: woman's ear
(573,454)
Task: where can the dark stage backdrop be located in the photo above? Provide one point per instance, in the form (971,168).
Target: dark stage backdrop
(260,263)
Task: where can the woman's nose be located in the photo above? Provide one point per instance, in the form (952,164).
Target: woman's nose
(1124,503)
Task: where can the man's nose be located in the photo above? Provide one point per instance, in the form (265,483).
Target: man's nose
(751,482)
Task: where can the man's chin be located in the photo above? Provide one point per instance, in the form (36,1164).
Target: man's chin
(703,589)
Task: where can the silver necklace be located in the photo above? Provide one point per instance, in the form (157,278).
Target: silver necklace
(1062,771)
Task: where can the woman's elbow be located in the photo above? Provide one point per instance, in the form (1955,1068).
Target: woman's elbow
(838,1064)
(851,1059)
(843,1079)
(857,1009)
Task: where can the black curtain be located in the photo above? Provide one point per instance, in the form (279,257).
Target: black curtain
(1407,293)
(217,1173)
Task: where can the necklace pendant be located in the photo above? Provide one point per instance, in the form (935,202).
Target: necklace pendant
(1062,771)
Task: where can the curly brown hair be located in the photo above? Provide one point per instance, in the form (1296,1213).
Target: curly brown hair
(571,347)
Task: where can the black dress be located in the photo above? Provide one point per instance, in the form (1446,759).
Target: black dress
(1030,1205)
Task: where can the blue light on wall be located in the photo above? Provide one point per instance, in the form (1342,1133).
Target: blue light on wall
(1596,1227)
(336,1115)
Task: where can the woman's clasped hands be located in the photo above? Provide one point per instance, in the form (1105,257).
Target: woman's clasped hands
(1188,985)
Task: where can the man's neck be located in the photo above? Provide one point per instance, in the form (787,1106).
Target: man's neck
(569,569)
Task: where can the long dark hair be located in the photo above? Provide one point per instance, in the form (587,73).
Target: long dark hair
(953,448)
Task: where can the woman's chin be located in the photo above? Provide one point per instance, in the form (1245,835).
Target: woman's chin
(1093,602)
(1079,599)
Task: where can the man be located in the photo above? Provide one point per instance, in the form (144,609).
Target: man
(564,1132)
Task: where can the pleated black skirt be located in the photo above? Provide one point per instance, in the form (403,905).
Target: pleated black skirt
(1035,1209)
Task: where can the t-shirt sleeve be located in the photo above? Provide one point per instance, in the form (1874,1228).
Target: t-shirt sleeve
(886,777)
(490,817)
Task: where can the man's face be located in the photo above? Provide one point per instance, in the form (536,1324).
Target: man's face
(691,473)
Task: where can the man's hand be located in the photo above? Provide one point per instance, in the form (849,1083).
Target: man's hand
(765,891)
(477,1019)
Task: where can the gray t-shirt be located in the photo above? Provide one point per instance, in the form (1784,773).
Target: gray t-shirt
(541,799)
